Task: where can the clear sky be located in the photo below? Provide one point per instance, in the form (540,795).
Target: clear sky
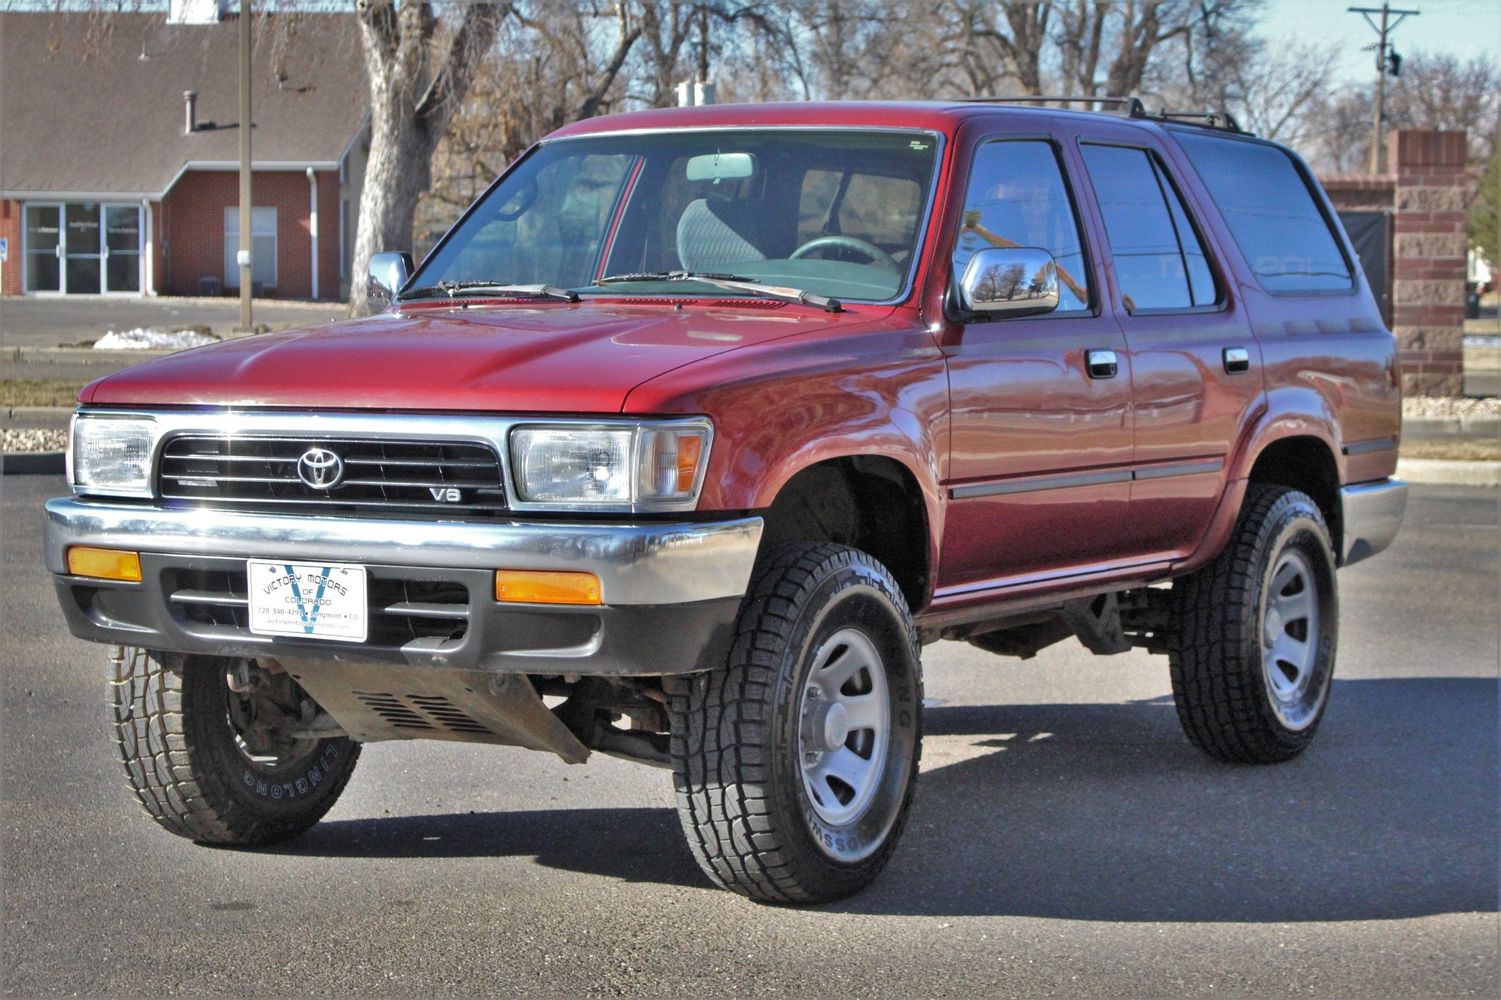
(1466,28)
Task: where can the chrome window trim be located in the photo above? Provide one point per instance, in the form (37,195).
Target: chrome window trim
(939,152)
(483,429)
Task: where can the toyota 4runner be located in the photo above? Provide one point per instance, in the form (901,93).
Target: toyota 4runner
(700,423)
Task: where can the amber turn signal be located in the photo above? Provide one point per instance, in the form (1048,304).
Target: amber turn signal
(104,564)
(525,586)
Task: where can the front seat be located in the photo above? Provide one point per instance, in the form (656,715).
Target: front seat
(717,234)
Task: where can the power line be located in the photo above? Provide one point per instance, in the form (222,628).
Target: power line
(1385,63)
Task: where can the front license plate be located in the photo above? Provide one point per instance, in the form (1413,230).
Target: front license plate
(316,600)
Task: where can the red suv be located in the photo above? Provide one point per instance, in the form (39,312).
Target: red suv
(700,423)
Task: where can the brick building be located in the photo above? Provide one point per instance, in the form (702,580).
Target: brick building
(119,155)
(1411,229)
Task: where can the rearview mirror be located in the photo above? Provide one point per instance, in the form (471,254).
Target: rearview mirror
(388,272)
(1009,281)
(718,167)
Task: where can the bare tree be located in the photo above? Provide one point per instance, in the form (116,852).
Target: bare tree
(552,65)
(419,72)
(1438,90)
(1435,90)
(1014,41)
(1124,38)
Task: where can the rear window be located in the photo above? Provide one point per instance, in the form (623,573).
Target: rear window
(1271,212)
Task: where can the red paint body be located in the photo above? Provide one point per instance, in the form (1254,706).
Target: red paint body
(788,385)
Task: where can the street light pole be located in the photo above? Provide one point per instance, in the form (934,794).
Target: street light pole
(243,257)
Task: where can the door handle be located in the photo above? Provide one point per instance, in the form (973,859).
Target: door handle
(1101,364)
(1237,360)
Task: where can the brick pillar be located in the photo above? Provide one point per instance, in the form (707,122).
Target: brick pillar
(1429,236)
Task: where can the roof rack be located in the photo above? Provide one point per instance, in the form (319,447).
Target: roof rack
(1130,107)
(1222,120)
(1126,107)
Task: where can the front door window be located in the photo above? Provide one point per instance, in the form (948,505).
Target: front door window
(122,248)
(44,248)
(83,271)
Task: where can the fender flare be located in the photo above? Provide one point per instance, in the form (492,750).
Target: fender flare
(1275,423)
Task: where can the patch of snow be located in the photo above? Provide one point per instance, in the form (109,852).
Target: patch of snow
(150,338)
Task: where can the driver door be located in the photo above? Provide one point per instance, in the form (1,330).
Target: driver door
(1039,469)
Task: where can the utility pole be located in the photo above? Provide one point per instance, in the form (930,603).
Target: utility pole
(1383,29)
(243,257)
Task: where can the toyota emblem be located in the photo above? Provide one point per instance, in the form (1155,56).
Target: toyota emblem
(320,469)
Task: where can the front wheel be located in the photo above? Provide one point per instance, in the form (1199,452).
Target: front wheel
(795,763)
(1253,633)
(216,748)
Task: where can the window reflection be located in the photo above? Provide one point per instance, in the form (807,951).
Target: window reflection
(1016,198)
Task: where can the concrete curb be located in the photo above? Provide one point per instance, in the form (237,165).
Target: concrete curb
(1425,428)
(32,463)
(1449,472)
(39,417)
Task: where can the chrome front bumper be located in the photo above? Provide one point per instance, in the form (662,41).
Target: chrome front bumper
(670,591)
(1371,514)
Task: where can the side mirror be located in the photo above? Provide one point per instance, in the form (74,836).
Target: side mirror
(1008,282)
(388,272)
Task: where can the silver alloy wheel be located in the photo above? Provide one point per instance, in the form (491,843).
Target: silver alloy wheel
(844,727)
(1290,641)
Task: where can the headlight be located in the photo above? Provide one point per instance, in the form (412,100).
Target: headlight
(647,466)
(111,456)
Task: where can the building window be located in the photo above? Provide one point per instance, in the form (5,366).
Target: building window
(262,246)
(83,248)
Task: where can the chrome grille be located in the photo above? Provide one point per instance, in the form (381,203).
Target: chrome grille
(397,476)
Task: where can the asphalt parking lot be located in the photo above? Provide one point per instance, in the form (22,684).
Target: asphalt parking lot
(1066,839)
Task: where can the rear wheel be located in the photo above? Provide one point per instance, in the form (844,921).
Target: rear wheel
(1254,633)
(218,750)
(795,764)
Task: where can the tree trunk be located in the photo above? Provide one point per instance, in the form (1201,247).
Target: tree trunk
(398,171)
(415,87)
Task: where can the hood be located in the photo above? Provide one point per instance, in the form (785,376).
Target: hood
(547,358)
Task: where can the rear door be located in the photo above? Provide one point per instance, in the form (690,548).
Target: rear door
(1038,476)
(1196,368)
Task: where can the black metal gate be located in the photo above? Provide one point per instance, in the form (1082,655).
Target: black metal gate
(1371,235)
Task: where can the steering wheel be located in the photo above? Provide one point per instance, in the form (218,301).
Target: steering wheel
(855,243)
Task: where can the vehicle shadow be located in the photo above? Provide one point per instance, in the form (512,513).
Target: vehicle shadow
(1114,816)
(636,845)
(1104,812)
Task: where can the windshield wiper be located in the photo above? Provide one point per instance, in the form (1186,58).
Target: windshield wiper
(454,289)
(732,282)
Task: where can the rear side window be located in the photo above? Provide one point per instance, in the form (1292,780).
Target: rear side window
(1159,260)
(1016,198)
(1271,212)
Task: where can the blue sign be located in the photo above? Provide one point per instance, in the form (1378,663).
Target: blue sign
(4,249)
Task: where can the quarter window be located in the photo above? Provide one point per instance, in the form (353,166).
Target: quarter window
(1159,259)
(1271,212)
(1016,198)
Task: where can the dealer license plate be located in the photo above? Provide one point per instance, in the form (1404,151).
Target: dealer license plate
(315,600)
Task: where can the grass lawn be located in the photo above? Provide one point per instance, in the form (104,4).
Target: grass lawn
(38,392)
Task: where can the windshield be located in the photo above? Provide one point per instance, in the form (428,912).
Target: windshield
(832,212)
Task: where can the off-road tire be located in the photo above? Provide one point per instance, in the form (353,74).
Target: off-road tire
(181,757)
(1217,638)
(736,750)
